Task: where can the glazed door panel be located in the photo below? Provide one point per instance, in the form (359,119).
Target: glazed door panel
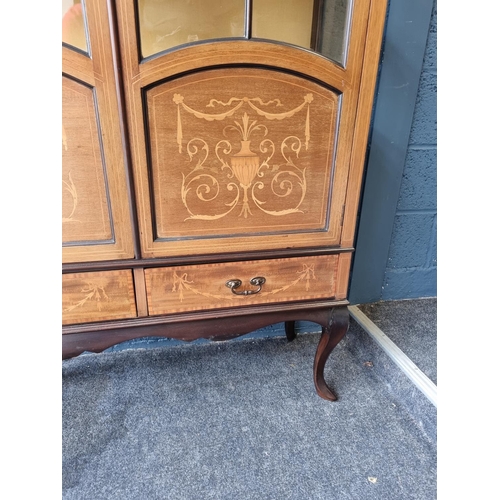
(95,209)
(240,145)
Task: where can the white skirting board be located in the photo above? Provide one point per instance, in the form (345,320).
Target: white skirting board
(409,368)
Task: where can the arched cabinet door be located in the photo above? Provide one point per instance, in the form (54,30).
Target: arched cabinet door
(246,144)
(96,221)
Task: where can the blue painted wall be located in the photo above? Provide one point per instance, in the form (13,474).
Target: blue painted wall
(412,261)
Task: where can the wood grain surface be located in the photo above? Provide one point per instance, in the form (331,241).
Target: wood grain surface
(96,222)
(191,288)
(99,296)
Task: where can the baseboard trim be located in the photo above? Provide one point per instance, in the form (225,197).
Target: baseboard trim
(407,366)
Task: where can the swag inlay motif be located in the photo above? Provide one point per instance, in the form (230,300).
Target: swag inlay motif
(93,292)
(245,164)
(181,284)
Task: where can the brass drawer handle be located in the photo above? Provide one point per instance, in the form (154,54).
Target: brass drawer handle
(257,281)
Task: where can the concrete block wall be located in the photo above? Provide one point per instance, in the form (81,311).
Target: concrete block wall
(412,261)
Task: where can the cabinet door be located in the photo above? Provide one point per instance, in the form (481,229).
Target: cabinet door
(95,209)
(243,144)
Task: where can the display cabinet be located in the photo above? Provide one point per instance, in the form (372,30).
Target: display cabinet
(213,154)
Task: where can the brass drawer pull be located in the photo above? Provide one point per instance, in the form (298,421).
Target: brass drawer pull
(257,281)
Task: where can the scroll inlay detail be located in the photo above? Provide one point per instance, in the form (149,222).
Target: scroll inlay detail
(71,188)
(245,166)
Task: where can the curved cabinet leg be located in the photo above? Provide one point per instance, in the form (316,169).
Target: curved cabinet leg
(290,330)
(333,333)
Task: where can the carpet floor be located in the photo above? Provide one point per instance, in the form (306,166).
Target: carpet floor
(238,420)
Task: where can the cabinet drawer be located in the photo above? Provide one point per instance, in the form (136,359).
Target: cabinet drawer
(98,296)
(191,288)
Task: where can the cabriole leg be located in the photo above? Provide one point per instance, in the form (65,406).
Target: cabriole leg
(290,330)
(333,333)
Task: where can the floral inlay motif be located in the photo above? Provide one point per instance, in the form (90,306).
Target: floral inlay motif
(94,293)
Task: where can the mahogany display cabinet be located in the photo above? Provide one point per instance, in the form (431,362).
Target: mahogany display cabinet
(212,159)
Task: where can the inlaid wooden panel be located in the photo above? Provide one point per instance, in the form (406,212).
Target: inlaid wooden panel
(191,288)
(241,151)
(97,296)
(85,209)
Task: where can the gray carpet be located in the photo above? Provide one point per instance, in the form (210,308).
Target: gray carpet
(412,326)
(238,420)
(396,382)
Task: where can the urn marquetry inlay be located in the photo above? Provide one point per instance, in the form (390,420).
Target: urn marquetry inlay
(251,154)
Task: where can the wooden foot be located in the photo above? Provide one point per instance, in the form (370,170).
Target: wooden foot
(333,333)
(290,330)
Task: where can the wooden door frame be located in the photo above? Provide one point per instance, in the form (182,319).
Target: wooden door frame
(403,50)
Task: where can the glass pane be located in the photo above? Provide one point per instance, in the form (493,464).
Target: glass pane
(320,25)
(287,21)
(167,23)
(74,24)
(333,29)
